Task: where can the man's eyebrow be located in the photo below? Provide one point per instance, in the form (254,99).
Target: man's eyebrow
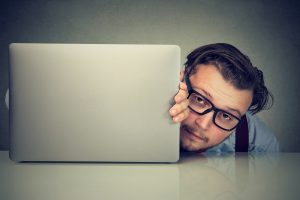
(228,109)
(206,93)
(234,110)
(201,91)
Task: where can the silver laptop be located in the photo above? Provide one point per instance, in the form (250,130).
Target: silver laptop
(93,102)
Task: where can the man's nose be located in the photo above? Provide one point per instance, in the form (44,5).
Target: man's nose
(204,121)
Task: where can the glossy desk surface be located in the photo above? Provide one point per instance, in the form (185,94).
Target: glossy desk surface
(230,176)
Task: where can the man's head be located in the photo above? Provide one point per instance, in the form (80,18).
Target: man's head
(224,85)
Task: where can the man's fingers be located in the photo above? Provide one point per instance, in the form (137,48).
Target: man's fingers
(179,108)
(180,111)
(182,93)
(181,116)
(182,86)
(181,96)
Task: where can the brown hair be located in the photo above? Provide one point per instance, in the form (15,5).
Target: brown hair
(236,68)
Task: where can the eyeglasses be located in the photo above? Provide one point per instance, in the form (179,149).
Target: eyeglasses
(201,105)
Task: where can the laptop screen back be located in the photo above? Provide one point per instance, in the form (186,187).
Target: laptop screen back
(93,102)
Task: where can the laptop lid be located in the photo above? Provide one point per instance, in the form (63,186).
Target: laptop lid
(93,102)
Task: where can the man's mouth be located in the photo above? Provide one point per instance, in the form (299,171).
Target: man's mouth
(194,135)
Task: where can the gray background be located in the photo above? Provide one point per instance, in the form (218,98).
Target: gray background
(267,31)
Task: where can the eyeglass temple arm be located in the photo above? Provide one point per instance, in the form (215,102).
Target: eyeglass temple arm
(188,84)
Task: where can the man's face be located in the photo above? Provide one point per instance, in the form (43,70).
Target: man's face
(198,132)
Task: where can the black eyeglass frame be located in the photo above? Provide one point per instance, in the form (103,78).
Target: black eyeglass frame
(213,108)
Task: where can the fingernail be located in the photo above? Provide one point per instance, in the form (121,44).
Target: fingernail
(173,111)
(175,119)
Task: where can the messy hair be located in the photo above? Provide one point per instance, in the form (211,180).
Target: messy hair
(236,68)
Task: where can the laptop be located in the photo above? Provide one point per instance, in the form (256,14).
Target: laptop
(93,102)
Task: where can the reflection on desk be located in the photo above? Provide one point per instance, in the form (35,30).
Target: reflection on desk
(195,176)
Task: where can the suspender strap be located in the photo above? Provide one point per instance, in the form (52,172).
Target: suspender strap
(242,136)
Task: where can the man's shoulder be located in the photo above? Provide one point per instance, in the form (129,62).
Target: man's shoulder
(261,137)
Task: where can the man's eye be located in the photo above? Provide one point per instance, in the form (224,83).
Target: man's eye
(199,100)
(226,116)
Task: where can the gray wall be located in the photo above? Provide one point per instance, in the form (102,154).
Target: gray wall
(267,31)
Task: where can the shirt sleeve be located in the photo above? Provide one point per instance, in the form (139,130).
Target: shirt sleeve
(261,138)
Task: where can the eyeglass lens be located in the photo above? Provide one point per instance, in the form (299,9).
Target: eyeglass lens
(201,105)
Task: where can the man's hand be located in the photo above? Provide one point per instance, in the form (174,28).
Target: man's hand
(180,111)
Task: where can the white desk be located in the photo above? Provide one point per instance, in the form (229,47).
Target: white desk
(238,176)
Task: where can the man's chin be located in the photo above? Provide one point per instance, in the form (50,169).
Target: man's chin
(191,148)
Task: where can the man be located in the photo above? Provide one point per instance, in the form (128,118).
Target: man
(220,92)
